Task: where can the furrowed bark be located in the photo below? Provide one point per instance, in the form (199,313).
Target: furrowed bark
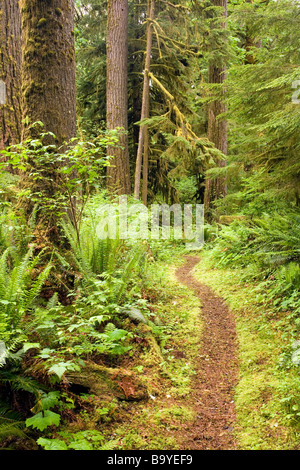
(118,173)
(217,129)
(10,73)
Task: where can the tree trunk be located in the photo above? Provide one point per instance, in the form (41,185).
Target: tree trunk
(143,135)
(217,129)
(49,67)
(118,173)
(49,91)
(10,73)
(146,158)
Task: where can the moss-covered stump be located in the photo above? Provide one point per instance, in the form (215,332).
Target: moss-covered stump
(108,383)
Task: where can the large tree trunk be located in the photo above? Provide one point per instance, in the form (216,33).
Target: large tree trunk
(217,129)
(48,88)
(118,173)
(10,72)
(49,66)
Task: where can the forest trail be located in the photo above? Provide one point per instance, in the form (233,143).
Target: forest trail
(217,371)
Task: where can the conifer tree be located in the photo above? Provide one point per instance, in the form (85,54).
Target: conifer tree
(49,67)
(49,90)
(143,143)
(10,73)
(264,117)
(217,126)
(118,172)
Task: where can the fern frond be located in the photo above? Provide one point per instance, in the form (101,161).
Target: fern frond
(9,427)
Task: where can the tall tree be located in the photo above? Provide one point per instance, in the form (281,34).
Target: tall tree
(118,172)
(143,134)
(49,66)
(217,127)
(10,72)
(48,87)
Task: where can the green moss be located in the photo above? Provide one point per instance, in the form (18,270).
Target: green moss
(42,22)
(58,11)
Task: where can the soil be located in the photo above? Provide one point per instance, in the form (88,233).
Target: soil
(217,370)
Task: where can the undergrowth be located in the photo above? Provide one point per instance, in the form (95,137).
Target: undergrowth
(254,265)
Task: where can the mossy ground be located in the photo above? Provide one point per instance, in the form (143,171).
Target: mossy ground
(166,361)
(168,371)
(165,366)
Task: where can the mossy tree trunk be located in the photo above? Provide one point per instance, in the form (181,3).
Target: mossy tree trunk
(10,72)
(118,173)
(48,82)
(217,128)
(49,66)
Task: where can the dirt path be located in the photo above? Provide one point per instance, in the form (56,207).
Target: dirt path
(213,390)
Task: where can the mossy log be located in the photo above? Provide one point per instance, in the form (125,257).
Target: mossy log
(109,383)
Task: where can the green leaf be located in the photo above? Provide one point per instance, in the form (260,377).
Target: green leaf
(81,445)
(42,420)
(60,368)
(49,400)
(52,444)
(28,346)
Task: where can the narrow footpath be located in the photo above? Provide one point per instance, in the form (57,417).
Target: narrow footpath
(217,374)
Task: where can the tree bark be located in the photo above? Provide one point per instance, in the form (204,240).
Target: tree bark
(143,134)
(217,128)
(49,67)
(49,94)
(146,157)
(118,173)
(10,72)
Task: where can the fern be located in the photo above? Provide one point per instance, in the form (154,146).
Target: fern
(17,291)
(10,427)
(16,381)
(109,259)
(91,254)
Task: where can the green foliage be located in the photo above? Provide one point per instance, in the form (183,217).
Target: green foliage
(268,250)
(18,291)
(45,417)
(109,267)
(82,440)
(269,241)
(56,175)
(263,163)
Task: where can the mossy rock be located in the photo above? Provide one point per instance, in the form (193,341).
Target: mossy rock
(109,383)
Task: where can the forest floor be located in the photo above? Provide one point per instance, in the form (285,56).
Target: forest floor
(211,371)
(191,385)
(203,376)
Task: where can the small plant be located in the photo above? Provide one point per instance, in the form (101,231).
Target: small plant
(82,440)
(78,168)
(44,417)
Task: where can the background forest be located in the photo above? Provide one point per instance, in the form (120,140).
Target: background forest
(186,102)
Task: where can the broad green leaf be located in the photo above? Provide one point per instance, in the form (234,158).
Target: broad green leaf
(28,346)
(50,399)
(42,420)
(52,444)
